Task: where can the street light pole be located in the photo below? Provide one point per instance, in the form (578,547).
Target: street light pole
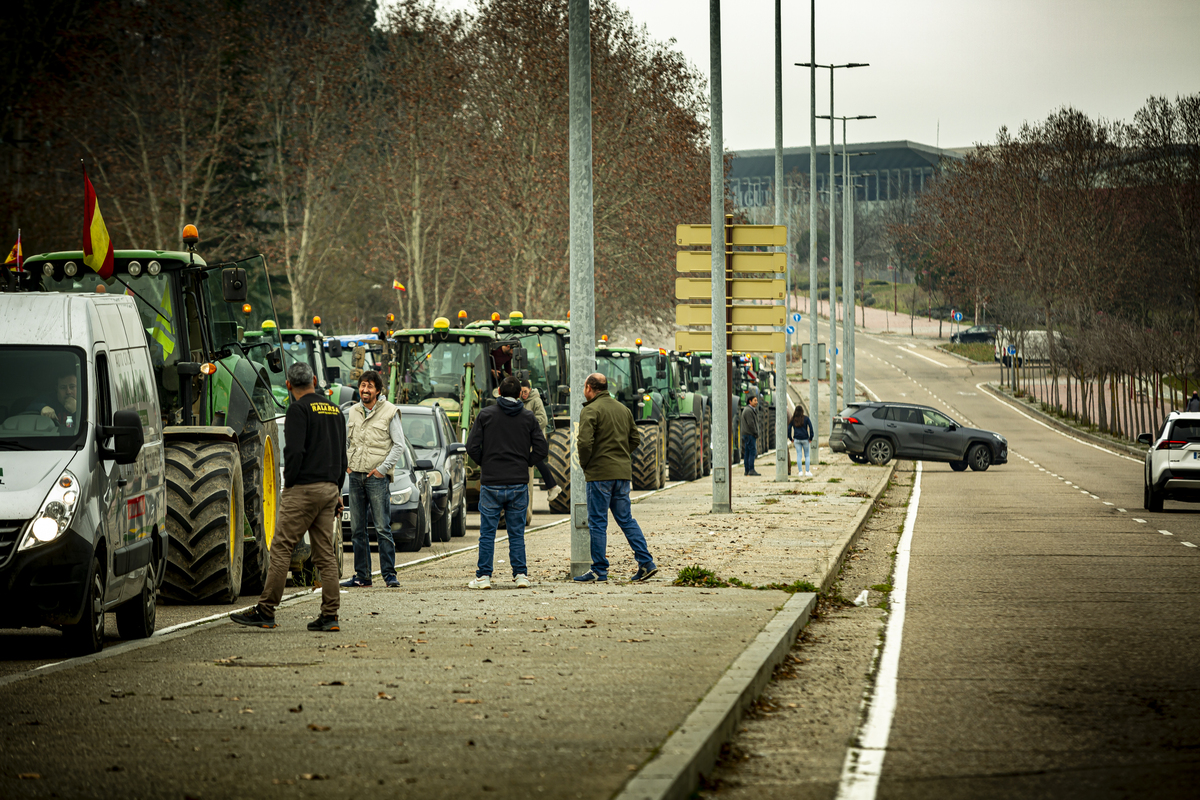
(782,453)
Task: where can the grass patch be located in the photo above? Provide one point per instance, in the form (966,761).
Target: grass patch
(696,575)
(770,500)
(856,493)
(977,351)
(834,480)
(882,587)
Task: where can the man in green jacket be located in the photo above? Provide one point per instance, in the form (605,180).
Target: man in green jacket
(607,437)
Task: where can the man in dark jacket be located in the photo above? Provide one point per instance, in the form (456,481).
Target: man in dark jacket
(314,462)
(1194,403)
(750,433)
(607,438)
(505,442)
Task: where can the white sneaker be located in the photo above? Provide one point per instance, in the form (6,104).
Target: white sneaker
(522,581)
(554,492)
(482,582)
(808,474)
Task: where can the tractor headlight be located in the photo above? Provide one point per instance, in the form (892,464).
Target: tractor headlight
(402,496)
(56,513)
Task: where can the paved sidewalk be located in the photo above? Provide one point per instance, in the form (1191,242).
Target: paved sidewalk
(559,691)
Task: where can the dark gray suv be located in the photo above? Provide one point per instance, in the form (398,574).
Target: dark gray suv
(880,432)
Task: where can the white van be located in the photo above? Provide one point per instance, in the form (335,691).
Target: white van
(1033,347)
(82,494)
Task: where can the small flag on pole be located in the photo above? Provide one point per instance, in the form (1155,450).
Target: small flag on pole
(15,256)
(398,286)
(97,247)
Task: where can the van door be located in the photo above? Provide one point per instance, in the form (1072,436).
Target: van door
(107,477)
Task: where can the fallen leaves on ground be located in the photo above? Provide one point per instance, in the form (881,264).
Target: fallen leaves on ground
(468,700)
(312,726)
(384,696)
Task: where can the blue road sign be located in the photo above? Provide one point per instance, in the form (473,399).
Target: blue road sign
(1012,350)
(958,316)
(796,317)
(835,351)
(791,329)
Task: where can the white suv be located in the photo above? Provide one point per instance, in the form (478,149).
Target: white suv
(1173,461)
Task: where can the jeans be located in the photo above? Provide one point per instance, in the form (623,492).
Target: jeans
(375,493)
(803,456)
(512,500)
(603,496)
(750,449)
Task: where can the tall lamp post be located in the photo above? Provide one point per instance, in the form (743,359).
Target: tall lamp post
(833,391)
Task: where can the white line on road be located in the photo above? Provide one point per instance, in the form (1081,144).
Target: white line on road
(1108,503)
(1187,544)
(1135,519)
(1121,510)
(864,763)
(912,351)
(1166,533)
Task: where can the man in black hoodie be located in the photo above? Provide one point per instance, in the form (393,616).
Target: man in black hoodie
(505,442)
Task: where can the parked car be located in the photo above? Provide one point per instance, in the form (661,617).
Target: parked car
(82,458)
(976,334)
(411,504)
(883,431)
(1172,469)
(428,431)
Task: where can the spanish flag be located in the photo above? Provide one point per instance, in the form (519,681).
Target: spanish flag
(97,247)
(398,286)
(15,256)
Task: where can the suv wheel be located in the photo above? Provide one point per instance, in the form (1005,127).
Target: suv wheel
(879,451)
(979,457)
(1154,500)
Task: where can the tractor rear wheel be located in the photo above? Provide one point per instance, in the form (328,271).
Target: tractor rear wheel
(646,468)
(683,435)
(205,516)
(559,461)
(259,445)
(707,443)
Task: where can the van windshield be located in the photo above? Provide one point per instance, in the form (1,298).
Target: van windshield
(43,403)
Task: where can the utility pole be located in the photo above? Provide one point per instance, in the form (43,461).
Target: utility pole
(721,473)
(583,280)
(814,406)
(782,452)
(833,374)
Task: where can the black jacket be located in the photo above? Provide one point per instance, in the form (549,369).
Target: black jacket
(505,442)
(802,432)
(315,451)
(750,421)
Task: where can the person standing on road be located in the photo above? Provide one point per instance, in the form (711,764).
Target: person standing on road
(374,441)
(532,399)
(505,442)
(607,438)
(314,460)
(750,432)
(1194,403)
(800,431)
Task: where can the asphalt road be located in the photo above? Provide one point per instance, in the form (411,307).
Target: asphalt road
(1048,648)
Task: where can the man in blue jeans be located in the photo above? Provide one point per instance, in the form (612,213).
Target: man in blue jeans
(750,433)
(505,441)
(607,437)
(374,441)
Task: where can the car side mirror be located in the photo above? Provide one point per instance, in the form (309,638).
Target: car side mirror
(233,285)
(456,448)
(1145,438)
(951,427)
(126,431)
(423,464)
(275,360)
(335,349)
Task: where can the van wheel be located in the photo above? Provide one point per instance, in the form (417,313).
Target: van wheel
(879,451)
(87,635)
(979,457)
(204,521)
(259,450)
(958,466)
(135,618)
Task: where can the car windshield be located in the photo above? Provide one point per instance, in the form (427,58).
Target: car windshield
(420,430)
(43,404)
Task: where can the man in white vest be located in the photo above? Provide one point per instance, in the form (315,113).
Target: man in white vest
(374,441)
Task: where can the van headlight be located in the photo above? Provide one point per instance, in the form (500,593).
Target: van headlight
(435,478)
(56,513)
(402,496)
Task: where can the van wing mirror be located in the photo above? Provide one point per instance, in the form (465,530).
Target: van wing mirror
(233,285)
(126,431)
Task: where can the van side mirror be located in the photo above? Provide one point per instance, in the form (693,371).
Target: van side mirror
(233,285)
(126,431)
(335,349)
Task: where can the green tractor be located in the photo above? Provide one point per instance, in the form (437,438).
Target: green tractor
(756,375)
(634,373)
(348,356)
(307,346)
(546,344)
(218,367)
(449,367)
(688,405)
(698,374)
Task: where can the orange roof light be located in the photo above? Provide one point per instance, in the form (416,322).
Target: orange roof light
(462,314)
(246,309)
(637,342)
(316,322)
(495,316)
(604,337)
(190,234)
(375,330)
(391,319)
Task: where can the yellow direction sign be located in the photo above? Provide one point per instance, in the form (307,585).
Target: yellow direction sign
(743,235)
(701,261)
(742,341)
(742,315)
(743,289)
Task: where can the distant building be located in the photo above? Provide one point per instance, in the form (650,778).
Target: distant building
(897,170)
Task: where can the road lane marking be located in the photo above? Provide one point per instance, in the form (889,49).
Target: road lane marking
(1108,503)
(980,386)
(864,763)
(930,360)
(1166,533)
(1121,510)
(1135,519)
(1187,544)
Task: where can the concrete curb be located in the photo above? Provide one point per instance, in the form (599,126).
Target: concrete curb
(693,750)
(1129,450)
(674,773)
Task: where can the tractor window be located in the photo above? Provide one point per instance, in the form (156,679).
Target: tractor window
(436,369)
(620,375)
(647,366)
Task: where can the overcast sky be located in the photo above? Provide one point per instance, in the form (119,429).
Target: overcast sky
(970,65)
